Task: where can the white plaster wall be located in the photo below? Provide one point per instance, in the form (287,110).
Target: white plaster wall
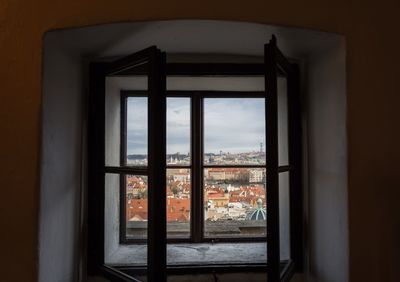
(61,163)
(111,215)
(327,164)
(64,118)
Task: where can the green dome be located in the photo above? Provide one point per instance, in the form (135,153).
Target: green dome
(257,214)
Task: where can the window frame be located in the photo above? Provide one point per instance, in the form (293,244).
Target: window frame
(278,66)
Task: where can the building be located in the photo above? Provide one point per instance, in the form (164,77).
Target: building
(217,199)
(177,210)
(259,213)
(136,210)
(240,174)
(181,177)
(257,176)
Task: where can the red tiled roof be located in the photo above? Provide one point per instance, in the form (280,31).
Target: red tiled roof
(216,195)
(177,209)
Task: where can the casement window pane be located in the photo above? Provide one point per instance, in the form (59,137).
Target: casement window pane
(234,202)
(234,131)
(136,224)
(136,201)
(283,141)
(178,131)
(111,214)
(178,202)
(131,113)
(284,216)
(136,131)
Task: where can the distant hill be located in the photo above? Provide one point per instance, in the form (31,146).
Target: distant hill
(136,157)
(142,157)
(177,156)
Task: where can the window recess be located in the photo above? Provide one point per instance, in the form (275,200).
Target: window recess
(193,167)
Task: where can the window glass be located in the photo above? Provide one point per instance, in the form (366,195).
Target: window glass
(234,202)
(178,131)
(283,141)
(131,137)
(136,131)
(178,202)
(234,131)
(134,205)
(284,216)
(136,200)
(112,213)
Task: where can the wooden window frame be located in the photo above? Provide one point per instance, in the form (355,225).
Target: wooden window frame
(275,65)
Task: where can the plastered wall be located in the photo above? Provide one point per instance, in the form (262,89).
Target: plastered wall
(370,28)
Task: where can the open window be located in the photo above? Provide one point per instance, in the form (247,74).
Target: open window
(194,155)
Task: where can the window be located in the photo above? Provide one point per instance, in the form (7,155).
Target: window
(193,166)
(232,168)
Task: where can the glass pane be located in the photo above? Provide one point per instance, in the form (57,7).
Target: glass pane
(135,116)
(284,216)
(283,141)
(234,202)
(136,206)
(178,202)
(178,131)
(116,252)
(234,131)
(111,219)
(136,131)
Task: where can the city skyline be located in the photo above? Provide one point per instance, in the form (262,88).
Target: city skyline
(233,202)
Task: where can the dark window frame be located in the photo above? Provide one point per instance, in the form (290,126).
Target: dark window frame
(275,65)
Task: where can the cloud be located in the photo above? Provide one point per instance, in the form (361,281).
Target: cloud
(234,124)
(178,125)
(230,124)
(137,125)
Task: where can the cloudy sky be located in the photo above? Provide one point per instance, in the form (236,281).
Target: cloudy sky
(231,125)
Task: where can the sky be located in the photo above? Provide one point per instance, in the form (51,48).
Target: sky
(230,124)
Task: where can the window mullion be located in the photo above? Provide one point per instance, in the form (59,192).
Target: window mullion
(123,130)
(196,143)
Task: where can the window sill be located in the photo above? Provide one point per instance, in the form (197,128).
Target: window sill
(194,254)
